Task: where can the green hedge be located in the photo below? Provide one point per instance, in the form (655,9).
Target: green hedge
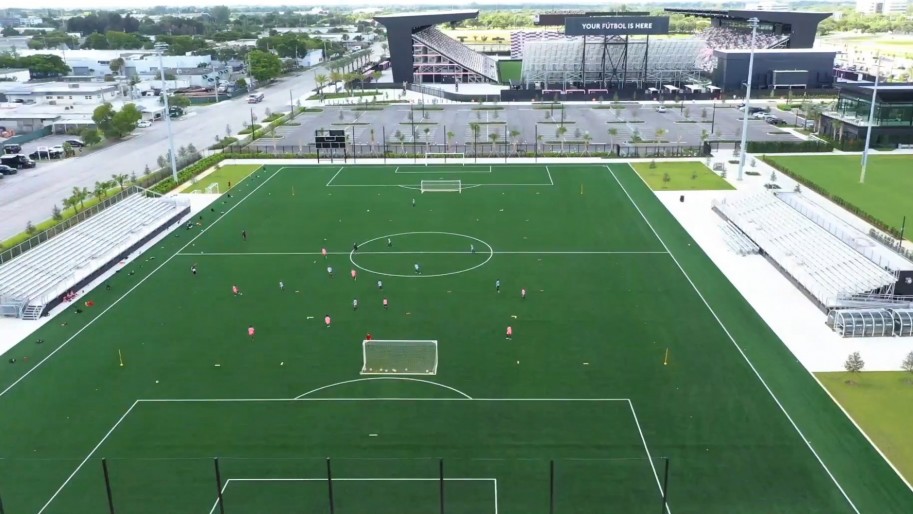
(875,222)
(247,130)
(810,146)
(187,173)
(225,141)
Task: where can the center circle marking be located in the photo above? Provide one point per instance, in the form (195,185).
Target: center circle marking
(491,254)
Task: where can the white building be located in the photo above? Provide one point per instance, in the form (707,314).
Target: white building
(882,6)
(97,63)
(14,75)
(61,93)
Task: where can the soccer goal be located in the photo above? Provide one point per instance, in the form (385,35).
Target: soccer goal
(442,186)
(399,357)
(213,188)
(445,158)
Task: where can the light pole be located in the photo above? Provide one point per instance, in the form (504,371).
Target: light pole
(160,47)
(868,131)
(742,146)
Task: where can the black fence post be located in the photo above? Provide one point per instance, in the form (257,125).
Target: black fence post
(354,148)
(536,143)
(441,472)
(215,463)
(665,487)
(551,487)
(383,142)
(104,469)
(330,486)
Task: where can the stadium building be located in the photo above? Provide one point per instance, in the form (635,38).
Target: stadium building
(582,54)
(893,114)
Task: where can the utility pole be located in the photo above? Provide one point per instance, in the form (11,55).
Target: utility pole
(868,131)
(160,48)
(743,145)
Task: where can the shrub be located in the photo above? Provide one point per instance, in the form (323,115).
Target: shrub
(225,141)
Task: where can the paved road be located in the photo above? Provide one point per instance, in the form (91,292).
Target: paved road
(31,194)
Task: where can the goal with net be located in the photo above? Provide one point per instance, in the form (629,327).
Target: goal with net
(213,188)
(399,357)
(442,186)
(445,158)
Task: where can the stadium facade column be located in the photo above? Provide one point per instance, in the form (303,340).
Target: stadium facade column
(743,145)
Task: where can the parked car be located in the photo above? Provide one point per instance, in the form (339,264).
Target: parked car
(143,124)
(660,109)
(12,148)
(44,152)
(7,170)
(759,115)
(75,143)
(17,161)
(254,98)
(773,120)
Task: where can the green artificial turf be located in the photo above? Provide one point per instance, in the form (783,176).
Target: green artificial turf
(879,401)
(683,176)
(582,383)
(885,193)
(509,70)
(228,174)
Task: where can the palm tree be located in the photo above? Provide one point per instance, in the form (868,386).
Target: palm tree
(514,138)
(494,143)
(100,190)
(449,136)
(613,132)
(562,130)
(120,179)
(475,128)
(335,77)
(83,194)
(321,81)
(426,131)
(402,140)
(587,138)
(384,47)
(67,203)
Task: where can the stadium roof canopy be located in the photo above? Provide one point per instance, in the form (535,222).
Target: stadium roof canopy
(801,26)
(427,18)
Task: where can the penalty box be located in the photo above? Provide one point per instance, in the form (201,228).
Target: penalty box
(411,176)
(382,450)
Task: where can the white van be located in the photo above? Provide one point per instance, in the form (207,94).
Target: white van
(254,98)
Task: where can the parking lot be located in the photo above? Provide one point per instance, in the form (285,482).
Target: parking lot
(505,124)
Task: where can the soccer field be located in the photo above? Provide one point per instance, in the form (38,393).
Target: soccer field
(630,351)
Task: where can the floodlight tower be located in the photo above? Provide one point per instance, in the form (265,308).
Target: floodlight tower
(160,48)
(742,146)
(868,131)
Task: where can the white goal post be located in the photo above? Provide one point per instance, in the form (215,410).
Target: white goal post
(446,157)
(399,357)
(442,186)
(213,188)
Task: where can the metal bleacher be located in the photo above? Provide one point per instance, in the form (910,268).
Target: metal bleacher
(737,240)
(35,278)
(822,264)
(458,52)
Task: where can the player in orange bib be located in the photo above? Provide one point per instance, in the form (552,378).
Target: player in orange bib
(234,290)
(326,320)
(354,275)
(510,332)
(323,251)
(386,304)
(250,331)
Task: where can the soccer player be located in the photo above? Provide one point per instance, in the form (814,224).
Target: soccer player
(472,248)
(323,251)
(386,304)
(244,235)
(380,284)
(418,269)
(326,320)
(281,285)
(510,332)
(330,271)
(498,285)
(250,331)
(354,275)
(234,290)
(413,202)
(389,243)
(368,336)
(354,247)
(193,270)
(355,304)
(523,294)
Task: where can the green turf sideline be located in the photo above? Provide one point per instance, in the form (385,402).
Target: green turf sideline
(735,344)
(66,342)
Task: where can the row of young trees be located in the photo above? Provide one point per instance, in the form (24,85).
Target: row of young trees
(855,364)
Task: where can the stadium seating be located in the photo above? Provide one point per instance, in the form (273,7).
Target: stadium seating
(520,38)
(46,272)
(458,52)
(737,240)
(825,266)
(719,38)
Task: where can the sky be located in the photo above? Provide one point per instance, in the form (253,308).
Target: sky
(145,4)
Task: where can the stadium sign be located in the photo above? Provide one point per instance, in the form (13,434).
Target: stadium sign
(616,25)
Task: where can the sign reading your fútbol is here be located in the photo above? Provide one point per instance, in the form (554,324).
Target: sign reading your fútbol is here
(616,25)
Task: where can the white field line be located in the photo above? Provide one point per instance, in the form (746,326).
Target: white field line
(89,456)
(115,302)
(584,252)
(736,345)
(405,379)
(552,182)
(659,483)
(334,175)
(302,399)
(419,185)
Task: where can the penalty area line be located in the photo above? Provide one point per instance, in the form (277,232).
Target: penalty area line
(580,252)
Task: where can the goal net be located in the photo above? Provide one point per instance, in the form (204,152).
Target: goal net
(213,188)
(399,357)
(442,186)
(445,158)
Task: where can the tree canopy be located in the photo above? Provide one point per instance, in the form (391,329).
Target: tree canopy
(116,124)
(264,66)
(40,66)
